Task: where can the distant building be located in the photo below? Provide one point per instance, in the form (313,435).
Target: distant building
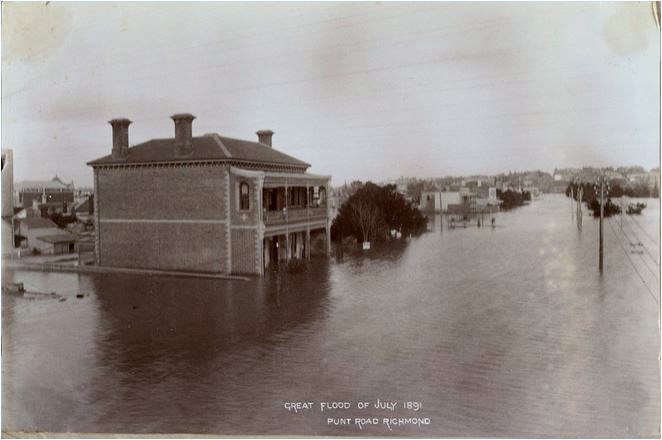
(33,230)
(430,201)
(83,210)
(44,191)
(206,203)
(81,194)
(64,243)
(440,201)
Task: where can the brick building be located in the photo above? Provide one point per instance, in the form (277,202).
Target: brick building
(205,204)
(53,191)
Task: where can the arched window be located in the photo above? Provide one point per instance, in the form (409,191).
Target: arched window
(244,197)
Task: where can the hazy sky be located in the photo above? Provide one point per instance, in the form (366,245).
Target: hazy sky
(359,90)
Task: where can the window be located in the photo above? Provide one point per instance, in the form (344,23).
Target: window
(322,195)
(244,197)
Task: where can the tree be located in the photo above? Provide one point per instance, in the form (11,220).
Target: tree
(366,216)
(373,211)
(346,190)
(512,199)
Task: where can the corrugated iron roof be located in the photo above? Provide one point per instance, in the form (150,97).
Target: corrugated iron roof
(58,238)
(209,147)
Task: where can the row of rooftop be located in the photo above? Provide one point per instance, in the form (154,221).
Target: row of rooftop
(210,203)
(213,203)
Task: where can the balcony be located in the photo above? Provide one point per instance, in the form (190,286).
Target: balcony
(294,215)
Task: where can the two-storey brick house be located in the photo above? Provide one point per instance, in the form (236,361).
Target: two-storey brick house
(205,204)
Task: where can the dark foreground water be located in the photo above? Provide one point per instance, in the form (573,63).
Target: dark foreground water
(508,331)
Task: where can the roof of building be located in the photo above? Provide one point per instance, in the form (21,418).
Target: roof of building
(38,222)
(52,205)
(208,147)
(55,183)
(58,238)
(82,205)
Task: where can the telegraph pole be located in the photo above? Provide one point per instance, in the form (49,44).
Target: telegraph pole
(580,193)
(603,191)
(602,214)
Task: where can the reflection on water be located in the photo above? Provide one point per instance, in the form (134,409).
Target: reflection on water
(506,331)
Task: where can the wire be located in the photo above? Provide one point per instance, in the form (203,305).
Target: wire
(635,242)
(633,265)
(638,241)
(642,228)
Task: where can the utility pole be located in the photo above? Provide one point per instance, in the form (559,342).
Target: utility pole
(602,214)
(603,191)
(580,193)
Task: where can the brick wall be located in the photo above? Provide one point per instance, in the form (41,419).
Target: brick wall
(194,192)
(168,218)
(246,251)
(250,216)
(195,247)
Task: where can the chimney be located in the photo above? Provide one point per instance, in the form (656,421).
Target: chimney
(183,134)
(264,137)
(120,137)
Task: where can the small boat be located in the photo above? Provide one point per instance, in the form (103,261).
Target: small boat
(635,208)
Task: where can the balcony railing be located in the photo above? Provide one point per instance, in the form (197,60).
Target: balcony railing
(294,215)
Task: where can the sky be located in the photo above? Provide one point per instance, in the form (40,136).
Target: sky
(368,91)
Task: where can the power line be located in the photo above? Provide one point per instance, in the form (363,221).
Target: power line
(633,265)
(642,228)
(636,242)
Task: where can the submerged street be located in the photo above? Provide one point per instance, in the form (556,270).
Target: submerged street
(501,332)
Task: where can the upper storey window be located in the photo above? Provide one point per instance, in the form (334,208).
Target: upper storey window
(244,197)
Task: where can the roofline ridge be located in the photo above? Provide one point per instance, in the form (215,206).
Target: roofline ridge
(238,139)
(190,161)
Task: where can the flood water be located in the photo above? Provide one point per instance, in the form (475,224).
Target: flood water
(506,331)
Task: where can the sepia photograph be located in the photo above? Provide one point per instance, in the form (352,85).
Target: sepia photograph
(330,219)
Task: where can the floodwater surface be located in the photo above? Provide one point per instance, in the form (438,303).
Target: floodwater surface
(507,331)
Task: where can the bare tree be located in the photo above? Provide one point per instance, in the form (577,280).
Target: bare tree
(366,216)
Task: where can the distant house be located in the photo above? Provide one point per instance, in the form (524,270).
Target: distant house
(44,191)
(84,209)
(62,243)
(30,228)
(430,201)
(438,201)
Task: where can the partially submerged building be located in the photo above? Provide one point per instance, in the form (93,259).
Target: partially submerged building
(205,203)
